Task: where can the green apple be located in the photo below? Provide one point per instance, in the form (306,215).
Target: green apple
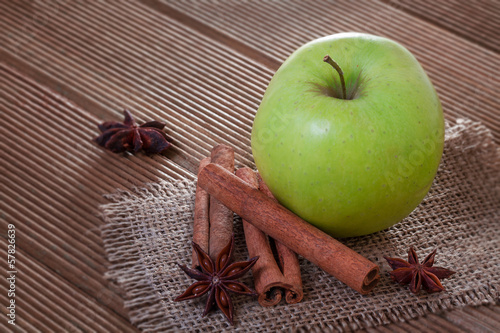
(349,134)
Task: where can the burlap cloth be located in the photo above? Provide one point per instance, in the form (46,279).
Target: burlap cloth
(148,231)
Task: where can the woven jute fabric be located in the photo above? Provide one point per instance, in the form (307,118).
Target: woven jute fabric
(149,230)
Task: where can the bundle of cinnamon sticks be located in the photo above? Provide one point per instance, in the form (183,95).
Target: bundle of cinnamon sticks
(272,232)
(277,271)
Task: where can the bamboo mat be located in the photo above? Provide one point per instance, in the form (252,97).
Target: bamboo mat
(202,67)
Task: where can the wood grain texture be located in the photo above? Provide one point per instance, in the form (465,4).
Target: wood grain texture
(202,67)
(167,70)
(477,21)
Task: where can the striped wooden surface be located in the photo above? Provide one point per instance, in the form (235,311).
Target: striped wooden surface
(477,21)
(202,67)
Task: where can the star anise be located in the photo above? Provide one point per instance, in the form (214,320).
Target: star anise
(218,279)
(418,275)
(127,136)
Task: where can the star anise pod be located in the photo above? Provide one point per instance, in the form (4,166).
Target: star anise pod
(127,136)
(418,275)
(217,279)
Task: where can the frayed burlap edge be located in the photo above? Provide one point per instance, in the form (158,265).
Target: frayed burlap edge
(127,267)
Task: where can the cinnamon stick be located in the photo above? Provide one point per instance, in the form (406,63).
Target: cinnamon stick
(278,222)
(201,224)
(269,278)
(221,217)
(288,260)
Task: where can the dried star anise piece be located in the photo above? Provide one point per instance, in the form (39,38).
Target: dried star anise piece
(218,279)
(127,136)
(418,275)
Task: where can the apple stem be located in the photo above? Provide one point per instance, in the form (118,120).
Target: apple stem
(341,74)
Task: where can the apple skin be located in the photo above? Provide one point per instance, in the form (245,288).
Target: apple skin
(349,167)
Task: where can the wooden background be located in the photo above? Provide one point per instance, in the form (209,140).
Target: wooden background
(202,67)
